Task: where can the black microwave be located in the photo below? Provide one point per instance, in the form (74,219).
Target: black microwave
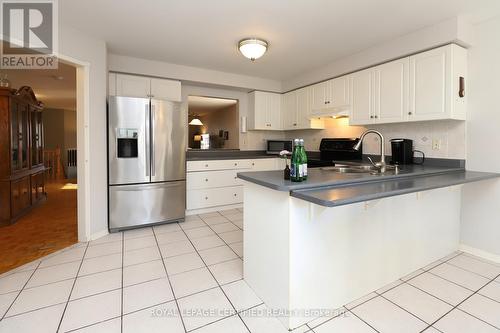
(275,146)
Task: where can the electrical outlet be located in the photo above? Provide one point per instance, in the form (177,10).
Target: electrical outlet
(436,144)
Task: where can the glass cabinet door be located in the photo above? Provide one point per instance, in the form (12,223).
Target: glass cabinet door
(39,119)
(34,138)
(14,114)
(24,135)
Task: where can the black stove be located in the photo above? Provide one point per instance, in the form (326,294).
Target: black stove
(336,149)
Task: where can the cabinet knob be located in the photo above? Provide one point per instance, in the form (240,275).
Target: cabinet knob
(206,165)
(206,198)
(371,117)
(235,164)
(253,163)
(410,113)
(376,117)
(294,124)
(206,179)
(235,195)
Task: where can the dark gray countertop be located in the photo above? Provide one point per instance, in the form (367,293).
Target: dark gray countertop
(225,154)
(351,193)
(321,178)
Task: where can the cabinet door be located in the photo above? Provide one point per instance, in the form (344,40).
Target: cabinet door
(112,84)
(338,92)
(319,96)
(258,110)
(391,91)
(14,139)
(429,81)
(166,89)
(274,111)
(289,111)
(362,112)
(24,137)
(132,86)
(303,108)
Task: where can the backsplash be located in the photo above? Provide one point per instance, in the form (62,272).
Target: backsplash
(449,133)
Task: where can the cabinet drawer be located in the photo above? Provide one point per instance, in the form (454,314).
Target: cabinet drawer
(212,197)
(218,165)
(211,179)
(264,164)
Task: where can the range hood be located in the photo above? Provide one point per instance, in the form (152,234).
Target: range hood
(330,113)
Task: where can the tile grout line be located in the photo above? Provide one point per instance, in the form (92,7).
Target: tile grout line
(72,287)
(218,236)
(20,291)
(468,270)
(456,307)
(93,324)
(216,281)
(169,282)
(373,328)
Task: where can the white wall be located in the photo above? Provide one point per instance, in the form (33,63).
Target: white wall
(480,207)
(74,44)
(133,65)
(452,30)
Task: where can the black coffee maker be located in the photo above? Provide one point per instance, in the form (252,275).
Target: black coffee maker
(403,153)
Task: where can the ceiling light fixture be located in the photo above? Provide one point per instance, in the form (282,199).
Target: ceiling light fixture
(252,48)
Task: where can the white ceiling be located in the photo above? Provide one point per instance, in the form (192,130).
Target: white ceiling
(54,93)
(303,34)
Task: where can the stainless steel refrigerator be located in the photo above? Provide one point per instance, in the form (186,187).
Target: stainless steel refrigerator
(146,162)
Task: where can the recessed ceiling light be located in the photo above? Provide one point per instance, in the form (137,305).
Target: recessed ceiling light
(252,48)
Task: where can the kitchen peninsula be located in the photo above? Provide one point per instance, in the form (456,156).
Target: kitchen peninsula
(339,236)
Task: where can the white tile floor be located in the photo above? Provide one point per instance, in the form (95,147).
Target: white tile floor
(140,280)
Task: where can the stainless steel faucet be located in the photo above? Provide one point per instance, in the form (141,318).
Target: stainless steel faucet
(381,165)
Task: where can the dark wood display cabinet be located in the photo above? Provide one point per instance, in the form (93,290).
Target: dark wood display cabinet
(22,172)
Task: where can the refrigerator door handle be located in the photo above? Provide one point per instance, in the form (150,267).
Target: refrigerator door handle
(146,141)
(153,162)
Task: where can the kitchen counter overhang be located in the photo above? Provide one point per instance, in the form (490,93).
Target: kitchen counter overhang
(329,189)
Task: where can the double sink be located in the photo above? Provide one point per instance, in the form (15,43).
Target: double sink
(352,167)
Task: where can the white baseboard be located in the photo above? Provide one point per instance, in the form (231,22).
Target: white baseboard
(480,253)
(99,234)
(212,209)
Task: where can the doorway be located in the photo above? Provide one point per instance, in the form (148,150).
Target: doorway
(49,222)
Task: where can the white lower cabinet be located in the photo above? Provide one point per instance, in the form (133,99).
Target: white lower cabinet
(213,197)
(213,184)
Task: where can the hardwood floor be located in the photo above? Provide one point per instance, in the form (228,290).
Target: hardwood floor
(47,228)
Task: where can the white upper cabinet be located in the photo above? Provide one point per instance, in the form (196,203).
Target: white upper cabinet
(330,94)
(133,85)
(319,96)
(112,84)
(426,86)
(434,84)
(290,111)
(166,89)
(391,91)
(339,92)
(362,103)
(297,112)
(144,87)
(264,111)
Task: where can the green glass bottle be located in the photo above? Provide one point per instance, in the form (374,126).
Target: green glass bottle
(295,162)
(303,159)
